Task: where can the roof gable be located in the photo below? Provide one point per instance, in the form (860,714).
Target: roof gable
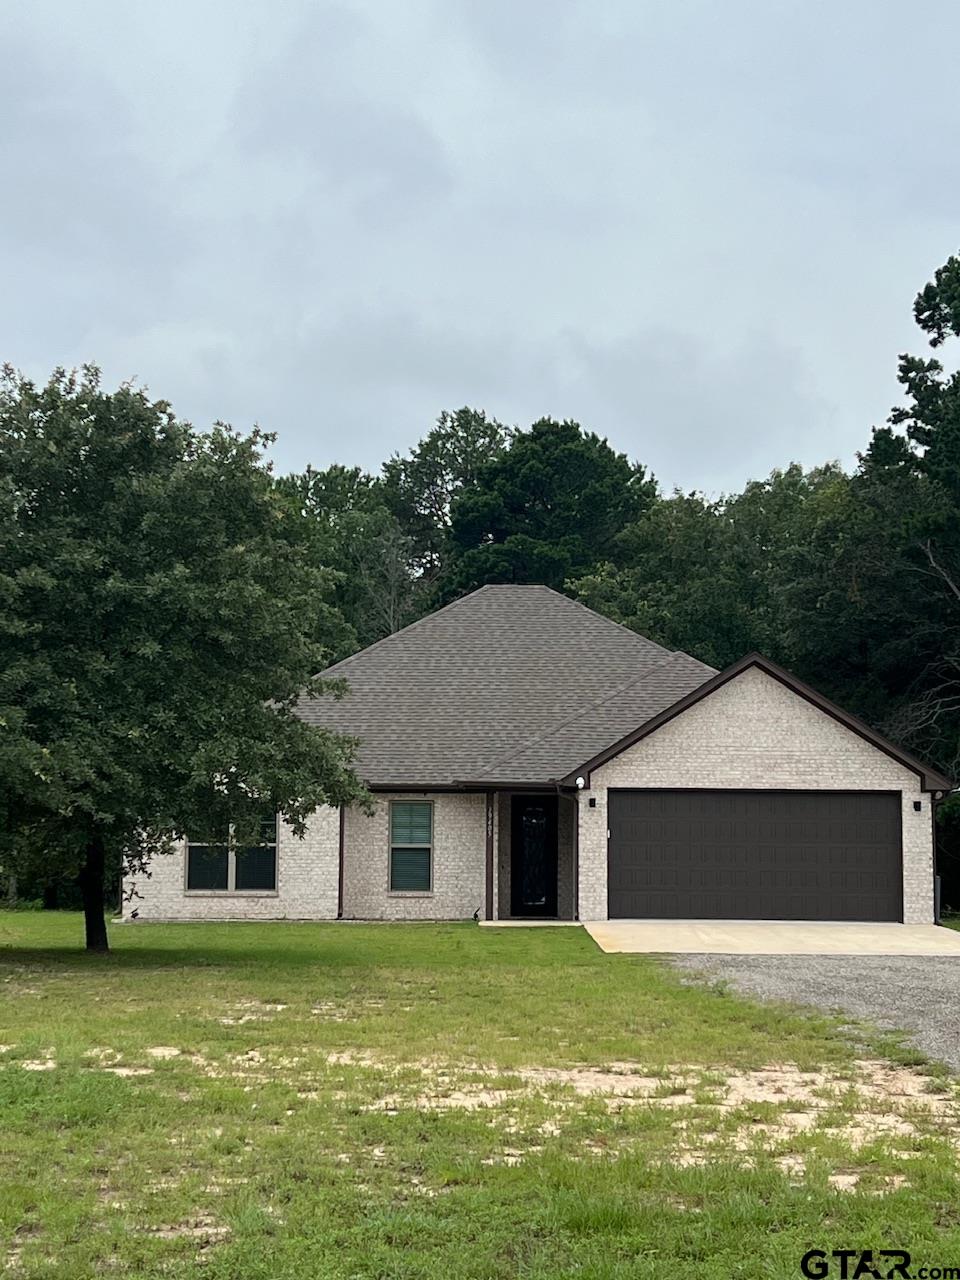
(931,779)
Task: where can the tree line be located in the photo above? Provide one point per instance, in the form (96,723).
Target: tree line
(165,599)
(849,578)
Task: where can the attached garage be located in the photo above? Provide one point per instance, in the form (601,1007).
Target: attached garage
(755,798)
(755,855)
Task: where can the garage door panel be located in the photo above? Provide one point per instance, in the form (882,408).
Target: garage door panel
(783,855)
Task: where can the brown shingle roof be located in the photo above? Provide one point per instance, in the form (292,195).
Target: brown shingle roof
(510,683)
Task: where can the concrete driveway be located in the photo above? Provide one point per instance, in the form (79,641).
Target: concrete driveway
(773,938)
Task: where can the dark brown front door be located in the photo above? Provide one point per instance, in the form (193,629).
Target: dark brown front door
(755,855)
(533,856)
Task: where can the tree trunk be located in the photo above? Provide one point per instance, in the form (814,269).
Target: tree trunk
(91,889)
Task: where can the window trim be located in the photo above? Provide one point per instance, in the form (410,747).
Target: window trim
(231,891)
(408,893)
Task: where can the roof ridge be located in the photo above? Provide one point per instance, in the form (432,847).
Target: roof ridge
(589,706)
(629,630)
(487,586)
(411,626)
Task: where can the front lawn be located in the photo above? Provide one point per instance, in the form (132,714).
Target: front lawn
(280,1101)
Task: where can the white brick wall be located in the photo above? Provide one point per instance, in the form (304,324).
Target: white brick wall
(754,732)
(459,861)
(307,882)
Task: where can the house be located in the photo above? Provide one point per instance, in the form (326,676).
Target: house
(530,758)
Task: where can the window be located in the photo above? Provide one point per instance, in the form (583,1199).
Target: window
(411,846)
(207,867)
(227,867)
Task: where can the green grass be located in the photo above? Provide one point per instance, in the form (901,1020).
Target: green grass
(320,1117)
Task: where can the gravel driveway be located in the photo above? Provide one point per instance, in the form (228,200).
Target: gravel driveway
(916,994)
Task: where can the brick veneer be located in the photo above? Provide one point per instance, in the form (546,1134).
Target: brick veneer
(307,880)
(459,861)
(754,732)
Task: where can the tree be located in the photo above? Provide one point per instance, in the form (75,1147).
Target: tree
(681,584)
(706,576)
(931,423)
(909,481)
(354,533)
(550,508)
(848,618)
(158,622)
(421,488)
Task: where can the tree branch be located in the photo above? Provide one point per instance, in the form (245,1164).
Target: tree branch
(939,569)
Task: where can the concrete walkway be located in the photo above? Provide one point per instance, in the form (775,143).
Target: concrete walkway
(773,938)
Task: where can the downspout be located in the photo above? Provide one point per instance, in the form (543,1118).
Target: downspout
(576,856)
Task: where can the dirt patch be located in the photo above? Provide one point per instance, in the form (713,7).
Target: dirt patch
(808,1093)
(357,1058)
(778,1113)
(159,1185)
(621,1080)
(776,1085)
(870,1102)
(844,1181)
(851,1181)
(102,1054)
(510,1156)
(109,1060)
(200,1228)
(224,1184)
(250,1011)
(454,1100)
(332,1012)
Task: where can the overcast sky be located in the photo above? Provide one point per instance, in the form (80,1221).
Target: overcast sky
(696,227)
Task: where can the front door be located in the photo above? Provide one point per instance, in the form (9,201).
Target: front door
(533,860)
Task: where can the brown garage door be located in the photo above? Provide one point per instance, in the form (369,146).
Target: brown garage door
(755,855)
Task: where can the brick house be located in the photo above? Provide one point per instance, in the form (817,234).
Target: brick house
(530,758)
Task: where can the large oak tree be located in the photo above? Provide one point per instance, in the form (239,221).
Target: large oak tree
(158,621)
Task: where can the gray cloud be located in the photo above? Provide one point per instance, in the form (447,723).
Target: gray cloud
(696,228)
(307,115)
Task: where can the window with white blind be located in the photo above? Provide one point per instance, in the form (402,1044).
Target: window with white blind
(411,846)
(224,866)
